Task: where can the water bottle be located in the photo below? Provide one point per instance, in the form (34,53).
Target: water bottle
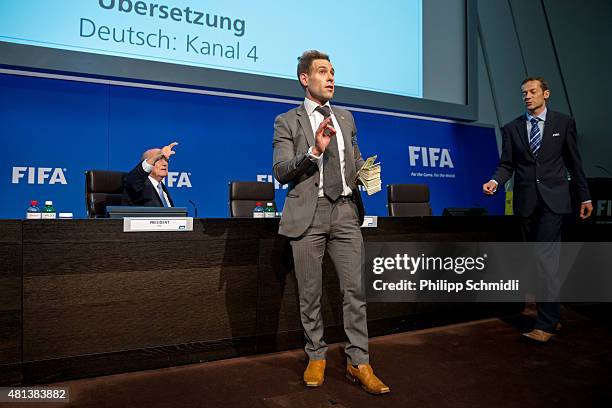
(269,211)
(48,213)
(258,211)
(33,211)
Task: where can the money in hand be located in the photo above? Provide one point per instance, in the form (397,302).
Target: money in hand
(369,176)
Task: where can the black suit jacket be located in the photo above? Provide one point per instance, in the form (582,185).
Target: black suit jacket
(138,189)
(545,174)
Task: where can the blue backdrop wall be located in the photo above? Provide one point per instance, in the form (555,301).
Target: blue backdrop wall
(53,130)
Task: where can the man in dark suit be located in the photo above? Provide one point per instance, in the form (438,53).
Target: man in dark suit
(316,154)
(540,149)
(143,185)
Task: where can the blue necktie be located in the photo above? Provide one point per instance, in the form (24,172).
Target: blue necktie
(162,196)
(535,136)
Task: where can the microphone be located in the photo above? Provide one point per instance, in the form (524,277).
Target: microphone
(195,208)
(597,166)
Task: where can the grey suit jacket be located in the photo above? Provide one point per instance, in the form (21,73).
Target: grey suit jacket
(292,137)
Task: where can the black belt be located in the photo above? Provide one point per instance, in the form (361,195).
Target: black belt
(341,199)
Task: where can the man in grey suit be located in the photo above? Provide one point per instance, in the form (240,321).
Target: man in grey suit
(316,154)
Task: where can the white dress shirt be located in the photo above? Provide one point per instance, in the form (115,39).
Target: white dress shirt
(148,168)
(315,120)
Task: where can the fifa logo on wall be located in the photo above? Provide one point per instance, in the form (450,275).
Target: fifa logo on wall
(178,179)
(430,157)
(39,175)
(603,208)
(269,178)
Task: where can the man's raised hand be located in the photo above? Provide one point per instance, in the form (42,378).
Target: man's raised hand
(167,151)
(323,136)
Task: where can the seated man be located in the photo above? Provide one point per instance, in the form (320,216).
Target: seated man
(143,185)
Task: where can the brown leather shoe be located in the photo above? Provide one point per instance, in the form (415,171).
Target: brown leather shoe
(365,376)
(530,309)
(315,373)
(539,336)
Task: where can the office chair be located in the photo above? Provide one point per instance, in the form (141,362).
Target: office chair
(102,188)
(244,195)
(408,200)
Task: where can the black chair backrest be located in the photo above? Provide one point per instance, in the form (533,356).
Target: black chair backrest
(408,200)
(102,188)
(244,195)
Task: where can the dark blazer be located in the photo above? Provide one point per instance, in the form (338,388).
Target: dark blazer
(545,174)
(292,137)
(138,189)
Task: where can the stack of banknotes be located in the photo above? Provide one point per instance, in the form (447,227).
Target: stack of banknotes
(369,176)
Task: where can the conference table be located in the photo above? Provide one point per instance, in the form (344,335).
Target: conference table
(82,298)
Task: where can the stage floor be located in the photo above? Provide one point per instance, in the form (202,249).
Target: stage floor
(483,363)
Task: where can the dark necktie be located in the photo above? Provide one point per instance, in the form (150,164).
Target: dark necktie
(162,197)
(332,176)
(535,136)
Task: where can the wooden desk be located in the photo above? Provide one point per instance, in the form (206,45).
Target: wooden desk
(81,298)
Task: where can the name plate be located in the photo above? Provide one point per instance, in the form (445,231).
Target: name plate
(370,221)
(157,224)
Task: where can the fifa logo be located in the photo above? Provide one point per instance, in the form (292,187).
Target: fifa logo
(178,179)
(604,208)
(430,157)
(39,175)
(268,178)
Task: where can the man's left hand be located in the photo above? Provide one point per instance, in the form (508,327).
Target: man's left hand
(585,210)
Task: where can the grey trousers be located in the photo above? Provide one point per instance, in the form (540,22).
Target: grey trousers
(335,228)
